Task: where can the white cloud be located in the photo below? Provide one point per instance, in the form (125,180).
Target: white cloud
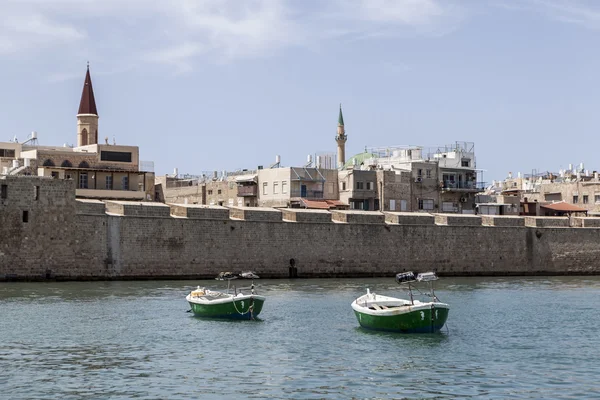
(178,32)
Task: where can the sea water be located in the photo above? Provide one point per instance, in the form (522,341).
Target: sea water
(521,338)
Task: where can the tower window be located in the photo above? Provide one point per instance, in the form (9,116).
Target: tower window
(25,216)
(3,191)
(36,192)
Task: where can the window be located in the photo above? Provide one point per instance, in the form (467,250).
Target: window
(117,156)
(265,186)
(25,216)
(369,185)
(575,199)
(36,192)
(125,183)
(428,173)
(464,162)
(585,199)
(218,191)
(54,174)
(359,185)
(597,198)
(343,185)
(48,163)
(425,204)
(9,153)
(3,191)
(84,164)
(275,188)
(66,164)
(83,180)
(419,172)
(284,187)
(109,182)
(210,192)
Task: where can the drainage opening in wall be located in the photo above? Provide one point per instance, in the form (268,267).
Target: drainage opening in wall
(293,271)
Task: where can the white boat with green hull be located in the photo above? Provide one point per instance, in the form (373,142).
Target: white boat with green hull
(384,313)
(237,305)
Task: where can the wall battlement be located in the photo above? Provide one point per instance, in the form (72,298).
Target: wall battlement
(46,234)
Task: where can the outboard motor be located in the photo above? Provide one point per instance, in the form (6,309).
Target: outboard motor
(404,277)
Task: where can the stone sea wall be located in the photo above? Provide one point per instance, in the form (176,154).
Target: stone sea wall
(67,239)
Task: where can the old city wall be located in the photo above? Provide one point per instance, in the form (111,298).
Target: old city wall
(69,239)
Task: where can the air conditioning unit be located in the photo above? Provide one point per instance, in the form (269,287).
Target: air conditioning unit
(419,180)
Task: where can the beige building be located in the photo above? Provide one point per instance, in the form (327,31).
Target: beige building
(100,171)
(290,186)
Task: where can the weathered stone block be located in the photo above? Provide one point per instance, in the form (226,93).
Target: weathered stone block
(304,215)
(255,213)
(138,209)
(586,222)
(547,222)
(502,220)
(93,207)
(195,211)
(358,217)
(409,218)
(458,219)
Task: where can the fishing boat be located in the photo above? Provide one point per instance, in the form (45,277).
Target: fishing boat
(215,304)
(384,313)
(249,275)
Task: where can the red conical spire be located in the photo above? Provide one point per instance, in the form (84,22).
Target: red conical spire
(88,103)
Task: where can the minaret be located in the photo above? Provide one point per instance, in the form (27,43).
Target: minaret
(340,139)
(87,117)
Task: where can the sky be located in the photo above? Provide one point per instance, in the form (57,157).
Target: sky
(203,85)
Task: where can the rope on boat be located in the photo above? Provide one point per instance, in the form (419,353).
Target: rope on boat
(250,308)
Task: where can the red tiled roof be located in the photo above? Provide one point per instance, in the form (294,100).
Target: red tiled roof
(564,207)
(88,102)
(316,204)
(335,203)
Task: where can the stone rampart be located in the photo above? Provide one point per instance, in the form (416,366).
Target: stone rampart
(255,213)
(94,207)
(42,236)
(137,209)
(547,222)
(586,222)
(409,218)
(458,219)
(194,211)
(502,220)
(357,217)
(304,215)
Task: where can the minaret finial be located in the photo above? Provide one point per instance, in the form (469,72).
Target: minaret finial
(88,67)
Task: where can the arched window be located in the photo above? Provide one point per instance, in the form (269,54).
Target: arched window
(84,164)
(48,163)
(84,137)
(66,164)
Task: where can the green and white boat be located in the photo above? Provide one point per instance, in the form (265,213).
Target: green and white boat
(384,313)
(236,305)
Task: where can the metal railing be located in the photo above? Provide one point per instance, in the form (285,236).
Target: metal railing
(307,194)
(467,185)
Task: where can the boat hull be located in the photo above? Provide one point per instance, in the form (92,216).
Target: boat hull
(423,321)
(245,307)
(382,313)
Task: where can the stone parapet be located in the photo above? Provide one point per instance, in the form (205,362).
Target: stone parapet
(195,211)
(137,209)
(585,222)
(358,217)
(409,218)
(304,215)
(547,222)
(458,219)
(255,213)
(502,220)
(90,207)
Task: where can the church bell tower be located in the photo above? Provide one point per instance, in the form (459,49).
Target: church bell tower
(87,117)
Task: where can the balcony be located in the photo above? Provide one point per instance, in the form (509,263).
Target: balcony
(247,191)
(467,186)
(307,194)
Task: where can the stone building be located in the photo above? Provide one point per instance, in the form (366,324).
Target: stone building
(100,171)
